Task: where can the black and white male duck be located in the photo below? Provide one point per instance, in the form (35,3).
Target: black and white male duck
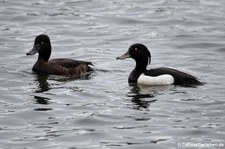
(158,76)
(61,66)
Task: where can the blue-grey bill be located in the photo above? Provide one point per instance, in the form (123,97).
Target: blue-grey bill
(124,56)
(32,51)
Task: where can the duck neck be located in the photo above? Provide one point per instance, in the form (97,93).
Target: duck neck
(141,66)
(45,54)
(138,70)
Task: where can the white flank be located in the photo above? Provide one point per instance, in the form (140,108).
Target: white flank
(165,79)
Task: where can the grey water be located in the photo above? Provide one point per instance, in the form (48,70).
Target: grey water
(102,111)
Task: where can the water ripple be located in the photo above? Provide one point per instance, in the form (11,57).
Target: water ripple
(101,110)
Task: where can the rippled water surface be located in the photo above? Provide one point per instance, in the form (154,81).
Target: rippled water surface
(102,111)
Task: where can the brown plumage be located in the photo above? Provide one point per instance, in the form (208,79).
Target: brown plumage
(62,66)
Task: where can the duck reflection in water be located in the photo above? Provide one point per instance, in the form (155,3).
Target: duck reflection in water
(143,96)
(42,101)
(138,98)
(42,84)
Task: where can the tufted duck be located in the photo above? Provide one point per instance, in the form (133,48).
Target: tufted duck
(62,66)
(158,76)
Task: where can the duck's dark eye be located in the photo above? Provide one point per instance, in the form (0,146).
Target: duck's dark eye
(135,49)
(42,42)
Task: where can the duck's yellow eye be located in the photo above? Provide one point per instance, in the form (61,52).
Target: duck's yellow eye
(42,42)
(135,49)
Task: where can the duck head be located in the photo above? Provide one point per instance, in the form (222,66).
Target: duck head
(140,54)
(42,46)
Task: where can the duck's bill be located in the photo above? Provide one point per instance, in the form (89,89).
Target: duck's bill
(124,56)
(32,51)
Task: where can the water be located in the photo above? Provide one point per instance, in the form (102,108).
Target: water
(103,111)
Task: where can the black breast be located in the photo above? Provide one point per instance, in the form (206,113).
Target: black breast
(134,75)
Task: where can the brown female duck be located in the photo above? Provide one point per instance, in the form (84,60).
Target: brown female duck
(62,66)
